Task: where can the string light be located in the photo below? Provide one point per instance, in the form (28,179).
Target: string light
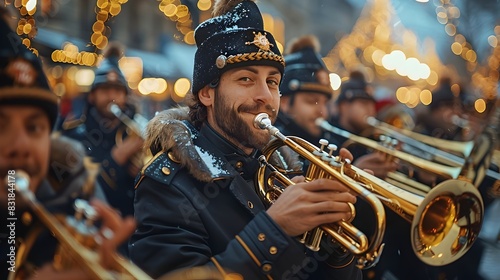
(180,14)
(26,26)
(105,10)
(371,49)
(484,77)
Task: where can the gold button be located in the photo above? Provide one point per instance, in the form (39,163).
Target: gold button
(273,250)
(165,170)
(231,276)
(26,218)
(250,204)
(172,157)
(112,172)
(266,267)
(105,163)
(261,237)
(239,164)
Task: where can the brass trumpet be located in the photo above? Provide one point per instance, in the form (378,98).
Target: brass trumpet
(445,222)
(72,246)
(137,126)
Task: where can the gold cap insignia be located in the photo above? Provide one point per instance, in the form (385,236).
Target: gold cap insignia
(261,41)
(22,72)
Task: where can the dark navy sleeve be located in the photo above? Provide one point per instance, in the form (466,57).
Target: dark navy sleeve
(164,240)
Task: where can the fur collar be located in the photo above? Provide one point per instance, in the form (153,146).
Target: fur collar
(169,131)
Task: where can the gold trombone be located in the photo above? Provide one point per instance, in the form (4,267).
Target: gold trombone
(476,153)
(447,172)
(433,146)
(73,247)
(445,222)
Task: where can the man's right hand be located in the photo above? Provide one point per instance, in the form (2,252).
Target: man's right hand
(307,205)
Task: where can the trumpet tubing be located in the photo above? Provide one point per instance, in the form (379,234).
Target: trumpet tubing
(448,172)
(322,167)
(474,164)
(76,247)
(136,125)
(445,222)
(462,148)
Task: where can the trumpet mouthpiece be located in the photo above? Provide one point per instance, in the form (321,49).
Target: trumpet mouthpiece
(371,121)
(262,121)
(22,180)
(115,109)
(319,121)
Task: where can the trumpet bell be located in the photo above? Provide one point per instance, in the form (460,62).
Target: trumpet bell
(447,222)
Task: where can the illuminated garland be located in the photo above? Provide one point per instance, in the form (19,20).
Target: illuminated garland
(484,78)
(105,10)
(370,42)
(176,12)
(26,26)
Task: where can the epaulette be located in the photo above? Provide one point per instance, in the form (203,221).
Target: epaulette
(72,122)
(161,168)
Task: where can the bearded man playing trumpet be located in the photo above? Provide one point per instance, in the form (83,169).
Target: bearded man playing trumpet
(196,202)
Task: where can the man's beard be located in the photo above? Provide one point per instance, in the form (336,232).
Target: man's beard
(358,127)
(235,128)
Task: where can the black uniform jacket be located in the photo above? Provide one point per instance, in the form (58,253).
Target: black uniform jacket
(195,205)
(98,139)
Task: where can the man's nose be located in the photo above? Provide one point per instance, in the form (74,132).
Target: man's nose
(19,146)
(264,94)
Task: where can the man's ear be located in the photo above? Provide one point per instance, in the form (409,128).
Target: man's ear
(206,95)
(285,103)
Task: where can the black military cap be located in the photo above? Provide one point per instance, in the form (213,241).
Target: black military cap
(305,71)
(355,88)
(443,95)
(234,37)
(108,72)
(22,80)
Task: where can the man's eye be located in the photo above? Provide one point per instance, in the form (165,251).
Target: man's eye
(36,128)
(245,79)
(273,82)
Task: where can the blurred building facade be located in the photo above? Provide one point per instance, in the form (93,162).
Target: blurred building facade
(458,37)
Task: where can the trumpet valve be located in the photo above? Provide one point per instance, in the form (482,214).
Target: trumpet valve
(314,239)
(303,238)
(323,143)
(332,148)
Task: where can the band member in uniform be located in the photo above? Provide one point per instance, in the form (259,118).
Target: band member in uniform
(196,202)
(445,107)
(105,137)
(305,91)
(28,112)
(355,103)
